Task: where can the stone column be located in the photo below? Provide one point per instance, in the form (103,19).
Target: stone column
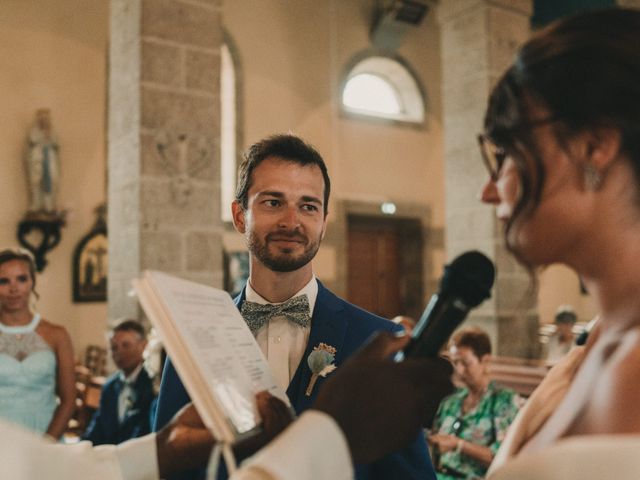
(164,165)
(478,40)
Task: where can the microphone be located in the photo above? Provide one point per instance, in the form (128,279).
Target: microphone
(466,283)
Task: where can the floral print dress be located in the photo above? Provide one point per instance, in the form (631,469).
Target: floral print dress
(485,425)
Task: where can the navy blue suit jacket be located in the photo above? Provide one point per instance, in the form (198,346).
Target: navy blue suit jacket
(345,327)
(105,427)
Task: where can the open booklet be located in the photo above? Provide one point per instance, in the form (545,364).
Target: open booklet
(213,351)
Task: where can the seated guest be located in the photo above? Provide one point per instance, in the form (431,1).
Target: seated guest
(127,395)
(562,340)
(472,422)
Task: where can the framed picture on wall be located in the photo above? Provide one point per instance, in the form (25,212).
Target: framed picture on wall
(90,266)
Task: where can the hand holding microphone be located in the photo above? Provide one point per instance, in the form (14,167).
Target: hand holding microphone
(466,283)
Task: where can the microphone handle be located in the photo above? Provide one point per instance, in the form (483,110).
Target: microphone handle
(440,318)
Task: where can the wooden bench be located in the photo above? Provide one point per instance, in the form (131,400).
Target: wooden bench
(519,374)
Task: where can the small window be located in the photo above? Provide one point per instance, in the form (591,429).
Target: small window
(382,87)
(369,93)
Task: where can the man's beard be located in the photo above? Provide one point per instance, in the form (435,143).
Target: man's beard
(283,261)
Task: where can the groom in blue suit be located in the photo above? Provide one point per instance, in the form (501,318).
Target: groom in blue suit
(281,209)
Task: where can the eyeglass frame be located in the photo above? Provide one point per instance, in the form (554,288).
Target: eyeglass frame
(500,155)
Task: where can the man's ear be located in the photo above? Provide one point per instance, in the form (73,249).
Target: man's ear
(238,214)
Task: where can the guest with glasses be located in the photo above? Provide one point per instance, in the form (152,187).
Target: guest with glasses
(472,422)
(37,376)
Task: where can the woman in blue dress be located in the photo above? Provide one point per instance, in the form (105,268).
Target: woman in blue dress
(37,385)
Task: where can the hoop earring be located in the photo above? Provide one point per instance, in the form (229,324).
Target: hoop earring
(592,177)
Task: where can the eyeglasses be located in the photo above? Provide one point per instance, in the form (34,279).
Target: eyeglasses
(494,156)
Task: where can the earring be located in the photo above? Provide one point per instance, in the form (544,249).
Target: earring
(592,177)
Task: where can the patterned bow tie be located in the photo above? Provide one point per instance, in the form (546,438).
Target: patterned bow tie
(296,309)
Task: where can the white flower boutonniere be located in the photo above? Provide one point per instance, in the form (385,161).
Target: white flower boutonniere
(320,362)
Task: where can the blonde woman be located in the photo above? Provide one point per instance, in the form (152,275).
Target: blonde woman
(37,387)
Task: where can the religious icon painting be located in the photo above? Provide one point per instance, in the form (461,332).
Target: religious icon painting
(90,266)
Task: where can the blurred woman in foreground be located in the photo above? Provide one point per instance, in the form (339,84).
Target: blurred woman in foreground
(562,146)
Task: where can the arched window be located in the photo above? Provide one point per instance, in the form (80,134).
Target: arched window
(382,87)
(228,137)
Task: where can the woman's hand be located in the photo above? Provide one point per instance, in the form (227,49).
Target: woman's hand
(444,441)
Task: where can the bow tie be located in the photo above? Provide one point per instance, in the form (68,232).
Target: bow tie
(296,309)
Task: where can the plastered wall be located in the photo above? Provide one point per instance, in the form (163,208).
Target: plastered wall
(292,57)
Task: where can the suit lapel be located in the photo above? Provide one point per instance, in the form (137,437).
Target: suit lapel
(328,325)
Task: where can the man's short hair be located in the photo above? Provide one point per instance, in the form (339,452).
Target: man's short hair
(565,314)
(285,146)
(131,326)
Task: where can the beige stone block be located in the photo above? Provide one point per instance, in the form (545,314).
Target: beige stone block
(179,112)
(466,97)
(182,22)
(465,176)
(466,30)
(202,71)
(514,293)
(518,335)
(151,162)
(124,107)
(124,203)
(163,155)
(204,251)
(508,30)
(162,207)
(461,129)
(124,161)
(466,227)
(160,63)
(471,62)
(452,8)
(161,251)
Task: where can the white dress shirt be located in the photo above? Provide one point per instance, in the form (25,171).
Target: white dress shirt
(127,395)
(283,342)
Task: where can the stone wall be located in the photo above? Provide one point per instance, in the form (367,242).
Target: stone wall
(164,122)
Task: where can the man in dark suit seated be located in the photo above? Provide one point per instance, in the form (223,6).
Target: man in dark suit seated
(281,208)
(126,398)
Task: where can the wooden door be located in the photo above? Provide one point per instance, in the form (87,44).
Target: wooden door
(374,267)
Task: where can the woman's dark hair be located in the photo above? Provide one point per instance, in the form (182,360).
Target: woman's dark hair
(474,338)
(285,146)
(585,70)
(8,254)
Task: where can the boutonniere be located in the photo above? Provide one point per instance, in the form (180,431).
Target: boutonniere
(320,362)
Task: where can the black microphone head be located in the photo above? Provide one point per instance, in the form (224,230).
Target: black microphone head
(469,277)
